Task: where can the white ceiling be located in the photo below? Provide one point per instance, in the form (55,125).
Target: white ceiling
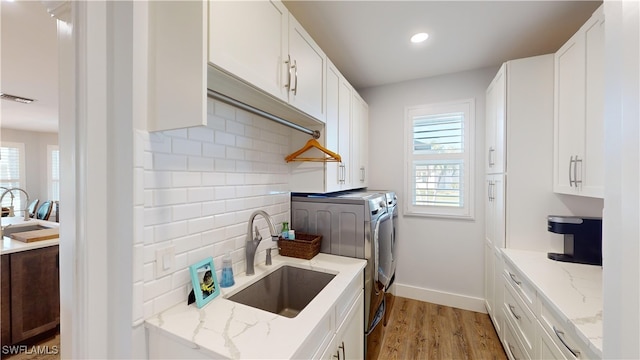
(29,66)
(366,40)
(369,40)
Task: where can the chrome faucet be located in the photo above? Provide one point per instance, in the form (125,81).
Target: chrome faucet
(252,243)
(26,209)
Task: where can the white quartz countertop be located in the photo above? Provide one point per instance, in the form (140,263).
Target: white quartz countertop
(11,246)
(574,292)
(226,329)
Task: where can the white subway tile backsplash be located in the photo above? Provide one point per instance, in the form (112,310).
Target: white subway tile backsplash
(214,150)
(201,133)
(169,196)
(197,163)
(201,224)
(187,211)
(195,190)
(186,178)
(224,138)
(200,194)
(225,111)
(171,230)
(187,243)
(186,147)
(169,162)
(213,208)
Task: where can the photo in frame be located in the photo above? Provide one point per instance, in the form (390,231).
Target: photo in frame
(204,281)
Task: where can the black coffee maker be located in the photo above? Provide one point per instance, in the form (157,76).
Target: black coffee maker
(582,239)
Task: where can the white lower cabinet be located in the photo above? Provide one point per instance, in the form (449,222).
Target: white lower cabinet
(348,342)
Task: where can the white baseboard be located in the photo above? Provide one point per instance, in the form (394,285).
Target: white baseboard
(439,297)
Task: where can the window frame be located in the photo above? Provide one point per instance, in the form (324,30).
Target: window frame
(22,180)
(50,179)
(467,211)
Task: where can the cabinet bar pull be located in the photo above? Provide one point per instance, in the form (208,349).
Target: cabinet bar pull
(295,82)
(560,335)
(575,171)
(288,62)
(337,355)
(491,162)
(362,174)
(570,163)
(489,191)
(512,308)
(515,279)
(342,347)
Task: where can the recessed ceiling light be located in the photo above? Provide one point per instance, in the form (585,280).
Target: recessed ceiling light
(419,37)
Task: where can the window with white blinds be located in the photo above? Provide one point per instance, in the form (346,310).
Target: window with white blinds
(12,174)
(53,177)
(439,149)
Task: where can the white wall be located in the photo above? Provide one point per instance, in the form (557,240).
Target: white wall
(621,231)
(35,147)
(440,260)
(195,190)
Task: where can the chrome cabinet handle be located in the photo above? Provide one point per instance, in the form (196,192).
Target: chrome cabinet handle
(342,347)
(515,279)
(491,162)
(288,62)
(575,171)
(512,309)
(337,355)
(489,191)
(570,163)
(362,174)
(295,82)
(560,335)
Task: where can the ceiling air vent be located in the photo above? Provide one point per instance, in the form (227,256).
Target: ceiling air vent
(16,98)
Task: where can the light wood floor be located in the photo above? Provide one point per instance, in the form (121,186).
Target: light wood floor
(420,330)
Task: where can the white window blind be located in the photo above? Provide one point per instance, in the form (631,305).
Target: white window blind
(53,178)
(438,156)
(12,173)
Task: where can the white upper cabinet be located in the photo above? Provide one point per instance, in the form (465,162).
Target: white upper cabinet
(495,131)
(360,144)
(306,72)
(262,43)
(250,40)
(578,118)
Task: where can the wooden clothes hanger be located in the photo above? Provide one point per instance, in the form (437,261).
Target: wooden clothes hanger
(313,143)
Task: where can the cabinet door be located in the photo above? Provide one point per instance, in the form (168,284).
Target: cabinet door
(360,138)
(496,114)
(333,170)
(350,336)
(5,293)
(35,292)
(306,91)
(569,113)
(593,167)
(250,40)
(344,133)
(495,210)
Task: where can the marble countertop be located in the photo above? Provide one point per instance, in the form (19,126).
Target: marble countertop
(223,328)
(574,291)
(11,246)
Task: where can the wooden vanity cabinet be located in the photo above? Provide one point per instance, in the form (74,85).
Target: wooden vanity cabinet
(5,303)
(30,293)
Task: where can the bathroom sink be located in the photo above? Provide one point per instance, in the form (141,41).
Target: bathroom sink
(285,292)
(22,228)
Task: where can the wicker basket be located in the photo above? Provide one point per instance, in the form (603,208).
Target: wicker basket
(305,246)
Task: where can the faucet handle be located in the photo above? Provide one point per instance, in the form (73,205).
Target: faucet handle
(257,236)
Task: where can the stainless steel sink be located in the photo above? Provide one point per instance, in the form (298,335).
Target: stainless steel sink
(285,292)
(22,228)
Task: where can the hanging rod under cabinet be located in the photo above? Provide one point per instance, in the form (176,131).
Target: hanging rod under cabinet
(217,96)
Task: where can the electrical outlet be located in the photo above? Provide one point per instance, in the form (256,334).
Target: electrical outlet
(165,261)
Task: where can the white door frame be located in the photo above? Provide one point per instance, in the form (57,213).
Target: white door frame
(96,176)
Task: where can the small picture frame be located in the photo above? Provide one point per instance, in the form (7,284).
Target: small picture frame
(204,281)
